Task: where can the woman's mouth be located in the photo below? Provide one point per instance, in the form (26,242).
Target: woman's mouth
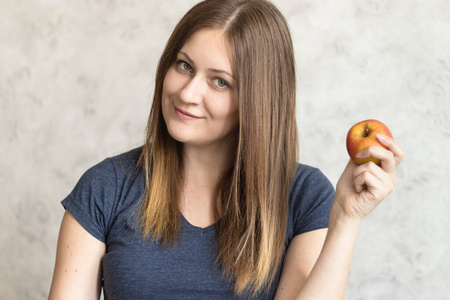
(184,115)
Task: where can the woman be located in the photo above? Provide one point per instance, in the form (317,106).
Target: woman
(214,205)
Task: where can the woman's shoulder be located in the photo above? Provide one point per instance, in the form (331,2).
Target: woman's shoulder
(125,162)
(130,156)
(310,189)
(310,200)
(104,191)
(306,174)
(111,172)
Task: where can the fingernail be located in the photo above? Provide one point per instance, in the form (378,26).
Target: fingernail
(360,155)
(382,137)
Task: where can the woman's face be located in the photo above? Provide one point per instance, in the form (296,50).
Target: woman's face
(199,99)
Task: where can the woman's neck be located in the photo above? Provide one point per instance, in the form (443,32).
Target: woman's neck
(203,168)
(205,164)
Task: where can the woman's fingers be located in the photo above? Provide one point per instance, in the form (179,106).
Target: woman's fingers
(386,157)
(390,158)
(373,178)
(373,169)
(365,180)
(363,187)
(393,146)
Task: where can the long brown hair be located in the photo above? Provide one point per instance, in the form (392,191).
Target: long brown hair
(252,196)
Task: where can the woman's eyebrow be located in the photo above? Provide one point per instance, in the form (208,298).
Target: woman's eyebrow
(220,71)
(209,69)
(187,57)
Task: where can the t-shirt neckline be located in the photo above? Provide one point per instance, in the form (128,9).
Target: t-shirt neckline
(201,230)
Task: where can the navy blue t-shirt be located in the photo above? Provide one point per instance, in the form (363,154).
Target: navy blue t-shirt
(105,203)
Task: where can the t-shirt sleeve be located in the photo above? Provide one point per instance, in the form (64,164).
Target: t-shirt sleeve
(313,195)
(91,201)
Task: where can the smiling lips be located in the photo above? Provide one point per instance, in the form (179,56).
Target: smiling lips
(184,115)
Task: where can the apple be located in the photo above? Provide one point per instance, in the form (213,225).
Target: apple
(363,135)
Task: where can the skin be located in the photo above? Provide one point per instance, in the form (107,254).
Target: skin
(77,273)
(201,83)
(314,260)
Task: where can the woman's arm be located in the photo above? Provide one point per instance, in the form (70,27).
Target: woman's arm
(359,190)
(302,264)
(299,260)
(77,273)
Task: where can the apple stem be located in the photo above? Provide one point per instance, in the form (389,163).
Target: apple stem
(367,131)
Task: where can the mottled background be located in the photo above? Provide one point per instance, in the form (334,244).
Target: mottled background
(76,79)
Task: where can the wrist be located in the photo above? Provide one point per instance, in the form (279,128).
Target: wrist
(340,219)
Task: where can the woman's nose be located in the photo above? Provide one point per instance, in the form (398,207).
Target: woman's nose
(193,90)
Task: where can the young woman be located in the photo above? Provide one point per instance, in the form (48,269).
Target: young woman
(214,205)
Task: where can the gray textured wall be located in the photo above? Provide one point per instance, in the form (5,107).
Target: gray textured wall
(76,83)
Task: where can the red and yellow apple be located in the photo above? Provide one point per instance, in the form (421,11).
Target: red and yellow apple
(363,135)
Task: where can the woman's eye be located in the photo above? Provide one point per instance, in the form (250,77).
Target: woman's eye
(220,83)
(185,66)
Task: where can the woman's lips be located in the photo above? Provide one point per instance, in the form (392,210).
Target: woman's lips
(184,115)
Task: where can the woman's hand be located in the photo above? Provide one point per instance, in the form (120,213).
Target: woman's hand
(361,188)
